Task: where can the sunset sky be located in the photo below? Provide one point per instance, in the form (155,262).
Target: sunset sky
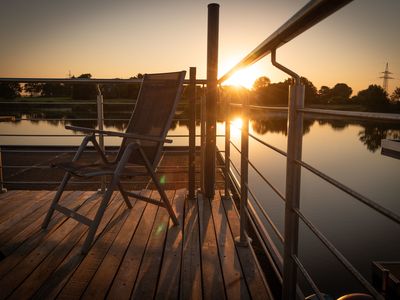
(120,38)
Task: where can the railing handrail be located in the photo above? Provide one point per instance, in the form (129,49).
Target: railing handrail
(363,115)
(83,80)
(354,114)
(312,13)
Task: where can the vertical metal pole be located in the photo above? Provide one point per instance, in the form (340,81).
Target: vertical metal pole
(192,133)
(211,99)
(244,172)
(100,124)
(227,144)
(293,178)
(202,136)
(2,188)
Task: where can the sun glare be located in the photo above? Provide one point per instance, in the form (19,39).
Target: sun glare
(245,77)
(237,123)
(236,127)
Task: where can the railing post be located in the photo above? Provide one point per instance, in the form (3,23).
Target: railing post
(202,136)
(100,124)
(2,188)
(192,133)
(242,240)
(293,177)
(211,100)
(227,145)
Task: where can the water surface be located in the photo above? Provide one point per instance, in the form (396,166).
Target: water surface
(348,151)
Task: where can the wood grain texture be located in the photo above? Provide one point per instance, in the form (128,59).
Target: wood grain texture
(137,253)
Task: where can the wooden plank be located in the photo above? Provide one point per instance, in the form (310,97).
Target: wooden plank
(254,279)
(191,285)
(25,241)
(235,283)
(8,196)
(78,282)
(26,228)
(146,282)
(47,266)
(168,283)
(15,202)
(31,204)
(60,277)
(15,276)
(212,273)
(102,280)
(27,220)
(126,276)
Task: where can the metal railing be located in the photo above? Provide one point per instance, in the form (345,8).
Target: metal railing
(258,224)
(99,103)
(251,210)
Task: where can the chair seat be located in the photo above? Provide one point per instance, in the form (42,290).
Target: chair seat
(85,169)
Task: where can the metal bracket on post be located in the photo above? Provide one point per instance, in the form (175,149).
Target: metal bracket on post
(100,124)
(243,239)
(293,178)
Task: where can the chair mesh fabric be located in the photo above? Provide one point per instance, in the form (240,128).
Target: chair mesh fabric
(152,116)
(153,113)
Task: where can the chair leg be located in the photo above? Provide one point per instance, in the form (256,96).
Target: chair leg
(64,182)
(57,197)
(115,182)
(159,187)
(163,197)
(124,196)
(96,221)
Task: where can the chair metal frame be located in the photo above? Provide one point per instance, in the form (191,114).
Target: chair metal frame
(122,160)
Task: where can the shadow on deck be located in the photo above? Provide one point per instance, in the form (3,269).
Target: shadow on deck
(137,253)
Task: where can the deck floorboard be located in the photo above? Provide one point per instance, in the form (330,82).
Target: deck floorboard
(137,253)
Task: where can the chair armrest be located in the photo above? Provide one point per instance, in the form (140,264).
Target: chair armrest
(119,134)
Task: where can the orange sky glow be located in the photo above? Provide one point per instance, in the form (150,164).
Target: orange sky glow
(118,39)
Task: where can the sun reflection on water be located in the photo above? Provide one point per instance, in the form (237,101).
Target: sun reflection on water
(236,127)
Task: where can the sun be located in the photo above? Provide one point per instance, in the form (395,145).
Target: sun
(245,77)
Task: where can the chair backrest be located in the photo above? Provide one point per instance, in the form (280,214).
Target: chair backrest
(154,110)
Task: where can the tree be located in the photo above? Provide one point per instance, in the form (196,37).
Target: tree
(273,94)
(340,93)
(84,91)
(10,90)
(33,89)
(324,94)
(261,82)
(374,98)
(395,97)
(310,91)
(56,90)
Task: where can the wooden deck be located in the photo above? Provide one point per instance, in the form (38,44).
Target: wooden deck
(137,253)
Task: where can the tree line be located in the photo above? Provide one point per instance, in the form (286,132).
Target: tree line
(12,90)
(265,93)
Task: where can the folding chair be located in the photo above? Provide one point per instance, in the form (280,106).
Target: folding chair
(139,153)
